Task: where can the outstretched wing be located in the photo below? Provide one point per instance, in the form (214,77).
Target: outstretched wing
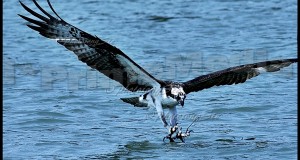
(234,75)
(91,50)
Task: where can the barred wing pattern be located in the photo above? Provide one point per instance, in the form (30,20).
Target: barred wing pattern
(91,50)
(234,75)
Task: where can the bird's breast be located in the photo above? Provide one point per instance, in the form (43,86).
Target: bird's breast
(168,102)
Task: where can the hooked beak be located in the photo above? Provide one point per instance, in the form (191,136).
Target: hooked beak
(181,103)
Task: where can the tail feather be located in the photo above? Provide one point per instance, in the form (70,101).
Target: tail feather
(134,101)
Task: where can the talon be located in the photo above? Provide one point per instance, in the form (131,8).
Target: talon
(168,137)
(173,130)
(181,136)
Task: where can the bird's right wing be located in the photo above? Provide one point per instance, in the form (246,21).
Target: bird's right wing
(91,50)
(235,75)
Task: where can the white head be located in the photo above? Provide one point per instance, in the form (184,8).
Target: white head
(178,94)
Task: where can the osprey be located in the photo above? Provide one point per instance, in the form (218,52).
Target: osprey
(116,65)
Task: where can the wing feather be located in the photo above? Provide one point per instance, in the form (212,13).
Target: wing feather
(91,50)
(235,75)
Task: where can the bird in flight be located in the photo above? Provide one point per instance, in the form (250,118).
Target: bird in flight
(116,65)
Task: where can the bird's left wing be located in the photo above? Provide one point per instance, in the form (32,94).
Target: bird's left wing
(91,50)
(234,75)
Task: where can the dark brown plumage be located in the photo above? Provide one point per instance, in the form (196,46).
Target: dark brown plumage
(234,75)
(91,50)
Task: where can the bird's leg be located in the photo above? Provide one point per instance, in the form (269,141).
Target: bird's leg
(161,114)
(156,102)
(179,134)
(174,128)
(173,117)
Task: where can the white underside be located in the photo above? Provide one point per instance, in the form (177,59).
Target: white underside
(166,102)
(159,100)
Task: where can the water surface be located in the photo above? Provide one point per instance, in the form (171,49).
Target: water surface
(57,108)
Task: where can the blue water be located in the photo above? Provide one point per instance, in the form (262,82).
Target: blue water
(57,108)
